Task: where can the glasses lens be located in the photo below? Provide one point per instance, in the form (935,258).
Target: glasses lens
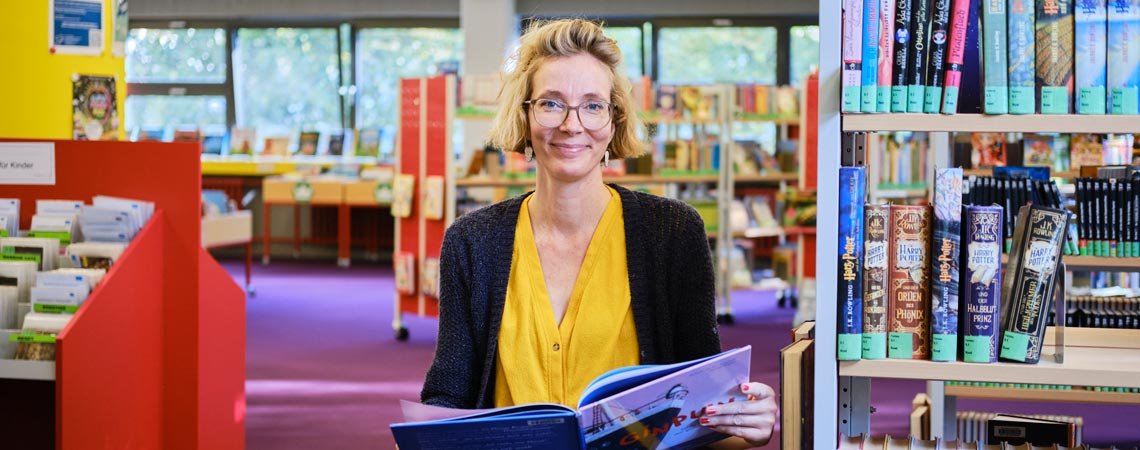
(594,115)
(551,113)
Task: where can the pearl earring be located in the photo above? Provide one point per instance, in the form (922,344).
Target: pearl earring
(529,154)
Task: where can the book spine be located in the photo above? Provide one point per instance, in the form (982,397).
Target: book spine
(1091,77)
(1029,287)
(903,13)
(955,54)
(919,51)
(886,54)
(944,267)
(909,327)
(1022,67)
(1124,56)
(870,87)
(852,192)
(939,35)
(994,52)
(852,55)
(982,279)
(875,284)
(970,93)
(1055,56)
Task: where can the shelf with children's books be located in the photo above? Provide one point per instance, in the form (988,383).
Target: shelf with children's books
(1041,123)
(1064,174)
(630,180)
(1043,395)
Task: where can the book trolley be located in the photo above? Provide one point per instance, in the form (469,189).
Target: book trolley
(423,155)
(1098,357)
(155,357)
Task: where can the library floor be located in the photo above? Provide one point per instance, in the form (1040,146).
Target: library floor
(324,371)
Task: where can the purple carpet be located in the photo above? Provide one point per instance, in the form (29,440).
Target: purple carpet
(325,372)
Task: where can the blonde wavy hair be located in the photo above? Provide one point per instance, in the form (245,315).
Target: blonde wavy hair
(556,39)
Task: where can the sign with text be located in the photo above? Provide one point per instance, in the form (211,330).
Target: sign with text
(27,163)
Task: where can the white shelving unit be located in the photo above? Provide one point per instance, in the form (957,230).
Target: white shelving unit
(842,389)
(11,369)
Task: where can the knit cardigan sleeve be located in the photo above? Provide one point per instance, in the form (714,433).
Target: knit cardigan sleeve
(452,381)
(691,278)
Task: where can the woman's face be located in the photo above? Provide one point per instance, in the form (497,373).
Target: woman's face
(569,151)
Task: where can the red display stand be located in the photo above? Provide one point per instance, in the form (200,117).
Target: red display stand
(155,356)
(423,150)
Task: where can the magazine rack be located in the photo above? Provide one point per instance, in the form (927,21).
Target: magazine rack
(135,367)
(423,149)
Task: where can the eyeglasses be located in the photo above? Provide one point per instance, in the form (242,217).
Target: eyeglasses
(593,114)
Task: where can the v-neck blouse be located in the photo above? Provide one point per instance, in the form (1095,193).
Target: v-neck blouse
(542,361)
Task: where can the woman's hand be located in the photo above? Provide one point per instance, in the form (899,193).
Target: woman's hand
(752,420)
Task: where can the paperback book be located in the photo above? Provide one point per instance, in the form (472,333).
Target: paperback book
(1124,56)
(1091,77)
(852,55)
(886,53)
(649,406)
(1022,61)
(995,54)
(870,66)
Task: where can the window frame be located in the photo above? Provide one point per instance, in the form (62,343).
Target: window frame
(223,89)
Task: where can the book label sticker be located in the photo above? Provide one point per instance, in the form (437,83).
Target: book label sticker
(874,345)
(945,347)
(55,309)
(850,346)
(1014,345)
(1124,100)
(302,192)
(976,349)
(1054,100)
(1090,100)
(901,345)
(27,163)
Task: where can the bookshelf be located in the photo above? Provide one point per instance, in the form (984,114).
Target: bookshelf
(1065,174)
(1045,395)
(631,179)
(1104,358)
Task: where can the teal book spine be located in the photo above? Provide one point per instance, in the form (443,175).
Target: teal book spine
(870,67)
(1022,65)
(1124,56)
(994,56)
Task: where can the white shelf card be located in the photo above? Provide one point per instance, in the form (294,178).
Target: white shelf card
(27,163)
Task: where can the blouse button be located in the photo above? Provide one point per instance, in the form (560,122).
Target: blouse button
(557,347)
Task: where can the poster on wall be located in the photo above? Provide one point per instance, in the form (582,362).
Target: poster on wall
(95,116)
(119,29)
(75,26)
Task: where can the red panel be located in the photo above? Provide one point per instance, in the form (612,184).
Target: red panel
(811,133)
(108,388)
(409,156)
(222,395)
(168,174)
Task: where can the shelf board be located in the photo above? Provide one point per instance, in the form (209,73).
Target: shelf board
(628,179)
(1030,123)
(1044,395)
(1092,366)
(1101,263)
(767,177)
(899,193)
(1066,174)
(11,369)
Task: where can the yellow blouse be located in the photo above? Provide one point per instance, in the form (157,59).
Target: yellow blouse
(540,361)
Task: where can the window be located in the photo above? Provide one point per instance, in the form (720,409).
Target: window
(187,55)
(717,55)
(287,80)
(804,53)
(384,55)
(629,41)
(154,115)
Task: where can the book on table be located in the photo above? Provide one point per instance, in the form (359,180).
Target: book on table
(638,407)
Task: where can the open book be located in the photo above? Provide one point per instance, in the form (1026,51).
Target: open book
(646,407)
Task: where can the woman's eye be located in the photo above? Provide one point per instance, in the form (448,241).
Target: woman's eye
(595,107)
(549,105)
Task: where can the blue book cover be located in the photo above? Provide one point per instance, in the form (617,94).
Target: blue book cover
(1033,173)
(852,192)
(870,86)
(1022,61)
(1124,56)
(981,276)
(1091,77)
(945,258)
(646,406)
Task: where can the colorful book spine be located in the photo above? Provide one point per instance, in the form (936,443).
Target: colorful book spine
(886,53)
(1027,292)
(903,13)
(919,51)
(955,53)
(875,283)
(1055,56)
(1091,77)
(870,88)
(852,55)
(852,192)
(1022,65)
(982,280)
(939,35)
(909,327)
(994,51)
(971,92)
(944,268)
(1124,56)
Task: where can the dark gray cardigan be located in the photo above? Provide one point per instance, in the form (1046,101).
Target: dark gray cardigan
(670,282)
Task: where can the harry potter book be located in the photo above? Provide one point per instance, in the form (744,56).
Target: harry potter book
(944,267)
(981,277)
(909,275)
(852,191)
(1028,289)
(875,284)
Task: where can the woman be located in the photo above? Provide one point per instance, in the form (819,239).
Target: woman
(542,293)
